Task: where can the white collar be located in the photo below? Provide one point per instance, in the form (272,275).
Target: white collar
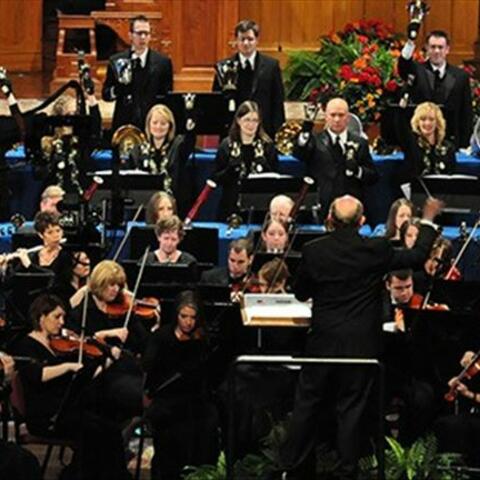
(343,136)
(142,57)
(441,69)
(244,59)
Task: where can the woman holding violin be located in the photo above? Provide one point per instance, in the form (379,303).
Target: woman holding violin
(461,433)
(100,450)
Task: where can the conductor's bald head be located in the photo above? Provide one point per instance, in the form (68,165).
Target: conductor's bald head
(346,211)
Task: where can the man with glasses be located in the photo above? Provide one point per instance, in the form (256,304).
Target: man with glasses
(258,77)
(136,78)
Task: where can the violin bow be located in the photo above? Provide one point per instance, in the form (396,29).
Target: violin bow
(127,234)
(137,286)
(83,326)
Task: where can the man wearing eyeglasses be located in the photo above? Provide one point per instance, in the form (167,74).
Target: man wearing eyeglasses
(136,78)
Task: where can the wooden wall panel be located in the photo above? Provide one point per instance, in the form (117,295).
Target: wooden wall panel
(21,35)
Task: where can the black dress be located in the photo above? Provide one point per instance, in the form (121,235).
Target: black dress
(183,420)
(86,420)
(234,162)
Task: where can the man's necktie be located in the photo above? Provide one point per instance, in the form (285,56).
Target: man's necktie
(337,146)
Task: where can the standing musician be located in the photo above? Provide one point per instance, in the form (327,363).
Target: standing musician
(169,233)
(338,161)
(167,154)
(137,77)
(342,273)
(100,449)
(247,150)
(183,418)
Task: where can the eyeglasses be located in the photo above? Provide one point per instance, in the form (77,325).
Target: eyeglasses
(142,33)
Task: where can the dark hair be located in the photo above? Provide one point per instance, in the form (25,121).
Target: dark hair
(138,18)
(390,225)
(188,298)
(403,275)
(172,224)
(43,305)
(243,26)
(276,269)
(415,222)
(43,220)
(241,244)
(245,108)
(438,34)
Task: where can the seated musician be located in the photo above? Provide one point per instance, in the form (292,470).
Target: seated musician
(169,234)
(460,433)
(273,276)
(239,260)
(409,232)
(183,418)
(247,150)
(399,286)
(167,154)
(50,199)
(274,237)
(400,211)
(280,208)
(160,206)
(100,452)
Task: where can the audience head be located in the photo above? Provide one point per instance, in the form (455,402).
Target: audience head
(337,115)
(247,123)
(400,211)
(107,280)
(246,34)
(48,227)
(240,253)
(280,207)
(47,314)
(140,33)
(428,120)
(189,311)
(438,47)
(50,199)
(409,232)
(160,124)
(400,285)
(275,236)
(160,206)
(273,276)
(345,212)
(169,232)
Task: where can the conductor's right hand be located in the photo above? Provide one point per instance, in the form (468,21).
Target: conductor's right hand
(431,208)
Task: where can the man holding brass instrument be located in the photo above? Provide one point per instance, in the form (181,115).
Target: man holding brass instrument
(436,80)
(136,78)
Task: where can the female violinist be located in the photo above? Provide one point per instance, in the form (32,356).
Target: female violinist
(247,150)
(183,418)
(409,232)
(274,237)
(167,154)
(100,451)
(400,211)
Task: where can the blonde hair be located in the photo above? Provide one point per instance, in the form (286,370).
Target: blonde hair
(165,112)
(106,273)
(61,104)
(53,191)
(421,111)
(151,210)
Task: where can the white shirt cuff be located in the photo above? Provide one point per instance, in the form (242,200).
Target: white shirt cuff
(408,49)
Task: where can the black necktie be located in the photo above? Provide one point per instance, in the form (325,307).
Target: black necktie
(337,146)
(136,63)
(247,67)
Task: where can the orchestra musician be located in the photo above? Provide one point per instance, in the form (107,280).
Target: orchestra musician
(84,419)
(136,78)
(169,233)
(280,207)
(167,154)
(274,237)
(400,211)
(273,276)
(183,418)
(409,232)
(160,206)
(247,150)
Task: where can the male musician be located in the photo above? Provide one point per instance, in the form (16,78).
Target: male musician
(259,77)
(438,81)
(342,273)
(239,260)
(339,161)
(280,208)
(136,78)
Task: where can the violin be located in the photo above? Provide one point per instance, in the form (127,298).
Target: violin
(419,302)
(147,308)
(71,343)
(467,373)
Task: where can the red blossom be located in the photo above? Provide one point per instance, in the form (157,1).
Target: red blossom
(362,39)
(346,72)
(391,86)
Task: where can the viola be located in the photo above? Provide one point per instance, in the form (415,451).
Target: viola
(466,374)
(146,308)
(71,343)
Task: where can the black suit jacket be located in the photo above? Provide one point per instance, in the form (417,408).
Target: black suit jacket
(456,93)
(157,81)
(267,91)
(343,273)
(329,173)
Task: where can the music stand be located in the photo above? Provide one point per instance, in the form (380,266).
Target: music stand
(461,296)
(292,260)
(210,112)
(214,293)
(459,192)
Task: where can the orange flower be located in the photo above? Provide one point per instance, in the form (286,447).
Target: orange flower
(335,38)
(360,63)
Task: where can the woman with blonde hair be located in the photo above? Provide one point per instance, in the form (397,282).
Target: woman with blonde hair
(425,147)
(161,205)
(167,154)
